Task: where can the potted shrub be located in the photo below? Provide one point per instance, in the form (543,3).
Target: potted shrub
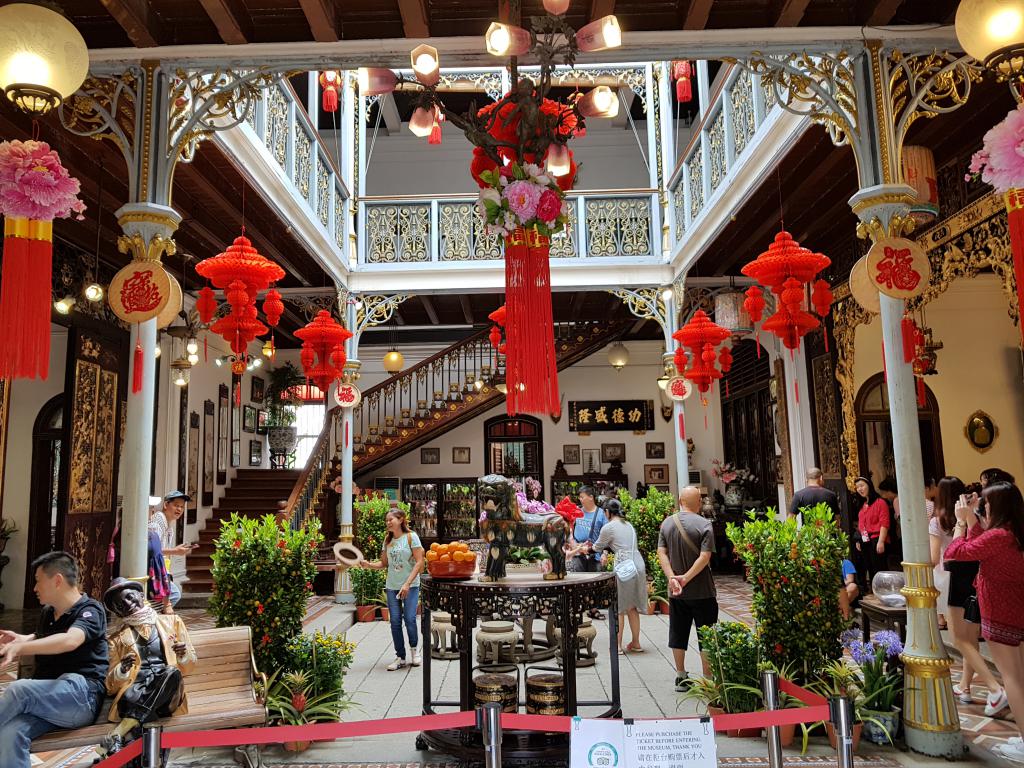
(658,592)
(7,529)
(282,436)
(731,649)
(881,682)
(369,513)
(366,590)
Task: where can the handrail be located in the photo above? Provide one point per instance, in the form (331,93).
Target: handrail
(306,492)
(471,196)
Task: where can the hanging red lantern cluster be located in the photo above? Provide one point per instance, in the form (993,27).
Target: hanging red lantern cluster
(323,350)
(681,73)
(330,81)
(241,272)
(920,353)
(498,318)
(788,269)
(701,336)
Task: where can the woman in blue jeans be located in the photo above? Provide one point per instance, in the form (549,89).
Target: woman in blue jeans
(402,556)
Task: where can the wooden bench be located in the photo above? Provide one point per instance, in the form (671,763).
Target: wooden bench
(220,692)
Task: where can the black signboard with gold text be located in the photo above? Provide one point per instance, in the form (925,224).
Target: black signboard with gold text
(610,415)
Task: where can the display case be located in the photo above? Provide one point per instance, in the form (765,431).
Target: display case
(569,485)
(442,509)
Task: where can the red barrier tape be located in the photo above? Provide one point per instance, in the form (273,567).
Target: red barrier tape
(809,698)
(767,719)
(133,750)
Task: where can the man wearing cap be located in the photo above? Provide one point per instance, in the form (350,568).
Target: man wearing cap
(161,523)
(148,654)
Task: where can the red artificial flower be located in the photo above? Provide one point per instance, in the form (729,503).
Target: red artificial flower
(237,544)
(309,585)
(481,162)
(259,608)
(549,206)
(265,640)
(506,171)
(778,648)
(281,544)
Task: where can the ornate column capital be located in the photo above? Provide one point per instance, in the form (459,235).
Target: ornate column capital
(884,211)
(148,230)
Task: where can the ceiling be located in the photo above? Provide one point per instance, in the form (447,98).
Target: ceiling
(148,23)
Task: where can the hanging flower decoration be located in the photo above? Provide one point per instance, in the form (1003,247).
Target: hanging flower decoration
(701,336)
(787,268)
(35,189)
(521,196)
(323,350)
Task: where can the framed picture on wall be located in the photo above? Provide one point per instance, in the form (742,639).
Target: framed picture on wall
(255,453)
(460,455)
(591,461)
(209,449)
(248,418)
(655,450)
(257,390)
(192,486)
(613,452)
(570,454)
(655,474)
(261,422)
(430,455)
(236,421)
(223,432)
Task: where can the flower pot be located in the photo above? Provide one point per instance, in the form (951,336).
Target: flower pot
(652,608)
(366,612)
(295,746)
(385,613)
(885,730)
(734,495)
(744,733)
(282,440)
(714,711)
(857,728)
(787,733)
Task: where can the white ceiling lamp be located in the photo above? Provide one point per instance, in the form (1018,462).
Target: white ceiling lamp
(618,356)
(426,64)
(992,31)
(421,122)
(599,102)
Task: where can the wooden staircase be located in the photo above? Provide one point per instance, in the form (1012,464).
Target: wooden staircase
(252,493)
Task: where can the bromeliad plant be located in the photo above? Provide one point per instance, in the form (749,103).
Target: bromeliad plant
(292,700)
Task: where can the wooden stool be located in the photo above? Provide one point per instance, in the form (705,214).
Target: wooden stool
(444,643)
(496,637)
(586,633)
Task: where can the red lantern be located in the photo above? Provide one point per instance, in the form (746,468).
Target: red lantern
(322,341)
(330,81)
(206,305)
(498,318)
(681,71)
(273,307)
(701,335)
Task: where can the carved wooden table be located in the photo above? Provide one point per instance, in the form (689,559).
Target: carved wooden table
(516,596)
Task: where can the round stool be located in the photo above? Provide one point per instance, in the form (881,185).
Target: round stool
(444,643)
(494,638)
(586,633)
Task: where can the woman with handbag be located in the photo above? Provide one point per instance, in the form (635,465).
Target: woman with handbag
(619,536)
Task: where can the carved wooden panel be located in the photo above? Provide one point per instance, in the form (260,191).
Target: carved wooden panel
(826,417)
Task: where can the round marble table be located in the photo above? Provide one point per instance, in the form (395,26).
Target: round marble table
(517,596)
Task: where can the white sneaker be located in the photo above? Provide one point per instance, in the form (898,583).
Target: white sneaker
(996,703)
(1015,741)
(1012,752)
(964,696)
(415,657)
(396,665)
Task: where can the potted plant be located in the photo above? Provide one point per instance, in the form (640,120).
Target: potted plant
(841,678)
(732,652)
(881,682)
(704,690)
(282,400)
(7,529)
(658,593)
(366,590)
(291,700)
(735,479)
(524,558)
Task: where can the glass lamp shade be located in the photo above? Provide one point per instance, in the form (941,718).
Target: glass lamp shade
(63,306)
(94,292)
(375,80)
(426,64)
(887,586)
(43,58)
(992,31)
(600,34)
(663,381)
(599,102)
(393,361)
(556,7)
(730,314)
(180,373)
(506,40)
(421,122)
(558,162)
(618,355)
(269,350)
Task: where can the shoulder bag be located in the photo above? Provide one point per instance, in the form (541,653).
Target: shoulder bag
(693,548)
(625,567)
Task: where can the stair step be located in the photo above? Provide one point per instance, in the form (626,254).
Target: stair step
(268,501)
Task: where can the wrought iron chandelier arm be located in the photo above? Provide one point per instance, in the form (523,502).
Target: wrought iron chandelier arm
(377,310)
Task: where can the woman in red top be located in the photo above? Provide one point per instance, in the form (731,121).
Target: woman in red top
(1000,584)
(873,524)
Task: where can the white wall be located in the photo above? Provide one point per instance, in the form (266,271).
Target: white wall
(27,397)
(979,368)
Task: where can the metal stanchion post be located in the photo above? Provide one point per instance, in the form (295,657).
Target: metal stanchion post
(489,718)
(770,689)
(151,733)
(840,710)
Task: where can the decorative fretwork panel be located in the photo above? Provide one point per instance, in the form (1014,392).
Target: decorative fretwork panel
(462,234)
(303,161)
(768,90)
(339,218)
(397,233)
(563,245)
(741,104)
(679,206)
(696,182)
(323,192)
(275,132)
(716,149)
(618,226)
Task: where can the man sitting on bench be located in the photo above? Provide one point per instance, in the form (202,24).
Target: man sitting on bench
(148,653)
(70,647)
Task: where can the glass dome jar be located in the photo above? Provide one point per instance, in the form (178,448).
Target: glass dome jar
(886,586)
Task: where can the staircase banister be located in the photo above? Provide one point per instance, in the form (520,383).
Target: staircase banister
(322,442)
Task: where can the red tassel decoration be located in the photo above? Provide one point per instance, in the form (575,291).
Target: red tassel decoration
(796,389)
(330,81)
(25,299)
(907,328)
(1015,216)
(682,426)
(206,348)
(137,362)
(346,434)
(435,134)
(238,395)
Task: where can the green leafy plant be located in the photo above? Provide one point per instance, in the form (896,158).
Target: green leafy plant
(280,396)
(325,656)
(646,516)
(262,576)
(882,681)
(658,591)
(526,555)
(797,575)
(733,654)
(368,585)
(371,511)
(291,700)
(840,678)
(706,691)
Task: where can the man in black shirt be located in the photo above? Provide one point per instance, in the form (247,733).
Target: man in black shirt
(70,650)
(813,495)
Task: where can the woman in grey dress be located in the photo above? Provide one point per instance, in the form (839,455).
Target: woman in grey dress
(619,536)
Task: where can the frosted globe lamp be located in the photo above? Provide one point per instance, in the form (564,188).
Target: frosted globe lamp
(425,64)
(599,35)
(992,31)
(618,356)
(93,292)
(393,361)
(506,40)
(599,102)
(43,58)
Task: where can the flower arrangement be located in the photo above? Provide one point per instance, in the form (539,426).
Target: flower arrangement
(521,195)
(881,683)
(35,185)
(325,656)
(263,573)
(1000,161)
(729,473)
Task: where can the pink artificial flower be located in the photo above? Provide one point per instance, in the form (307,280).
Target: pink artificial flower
(549,206)
(522,199)
(34,184)
(1003,153)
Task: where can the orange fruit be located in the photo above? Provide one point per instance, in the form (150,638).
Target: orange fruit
(431,556)
(446,558)
(443,549)
(434,547)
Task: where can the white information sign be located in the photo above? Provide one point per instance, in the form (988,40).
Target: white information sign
(642,744)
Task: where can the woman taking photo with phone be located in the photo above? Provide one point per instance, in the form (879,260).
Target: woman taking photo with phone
(998,547)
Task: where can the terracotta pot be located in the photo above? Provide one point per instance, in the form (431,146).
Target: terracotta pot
(385,613)
(295,746)
(664,608)
(744,733)
(787,734)
(857,728)
(713,711)
(366,612)
(652,608)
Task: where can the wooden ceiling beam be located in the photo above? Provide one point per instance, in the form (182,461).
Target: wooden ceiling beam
(415,20)
(428,307)
(697,14)
(467,308)
(791,13)
(233,22)
(139,21)
(322,23)
(882,12)
(601,8)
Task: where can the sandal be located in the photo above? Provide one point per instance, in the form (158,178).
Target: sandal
(635,649)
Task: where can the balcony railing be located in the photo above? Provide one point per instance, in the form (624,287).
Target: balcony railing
(279,122)
(430,230)
(739,107)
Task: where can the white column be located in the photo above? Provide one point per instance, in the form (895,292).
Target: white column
(678,419)
(343,585)
(798,414)
(703,88)
(137,454)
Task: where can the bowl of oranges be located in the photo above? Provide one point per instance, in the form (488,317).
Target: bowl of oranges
(451,561)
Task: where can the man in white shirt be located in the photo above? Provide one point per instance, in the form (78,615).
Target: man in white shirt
(161,522)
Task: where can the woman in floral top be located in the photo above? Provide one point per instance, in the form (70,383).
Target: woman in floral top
(1000,583)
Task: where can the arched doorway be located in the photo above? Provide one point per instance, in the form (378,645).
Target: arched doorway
(512,447)
(874,432)
(45,518)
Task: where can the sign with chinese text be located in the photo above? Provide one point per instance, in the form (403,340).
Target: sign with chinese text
(347,395)
(642,744)
(610,415)
(898,267)
(678,388)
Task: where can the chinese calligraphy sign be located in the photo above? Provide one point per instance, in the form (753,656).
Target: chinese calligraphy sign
(898,267)
(610,415)
(140,292)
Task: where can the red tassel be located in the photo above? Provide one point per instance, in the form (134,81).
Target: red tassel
(885,369)
(824,333)
(922,400)
(137,362)
(684,90)
(705,419)
(796,389)
(682,426)
(25,299)
(757,339)
(238,395)
(727,388)
(206,348)
(346,434)
(435,134)
(330,100)
(907,328)
(1015,216)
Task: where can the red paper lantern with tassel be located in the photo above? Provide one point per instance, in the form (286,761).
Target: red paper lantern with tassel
(206,305)
(273,307)
(498,318)
(701,336)
(321,340)
(330,81)
(681,72)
